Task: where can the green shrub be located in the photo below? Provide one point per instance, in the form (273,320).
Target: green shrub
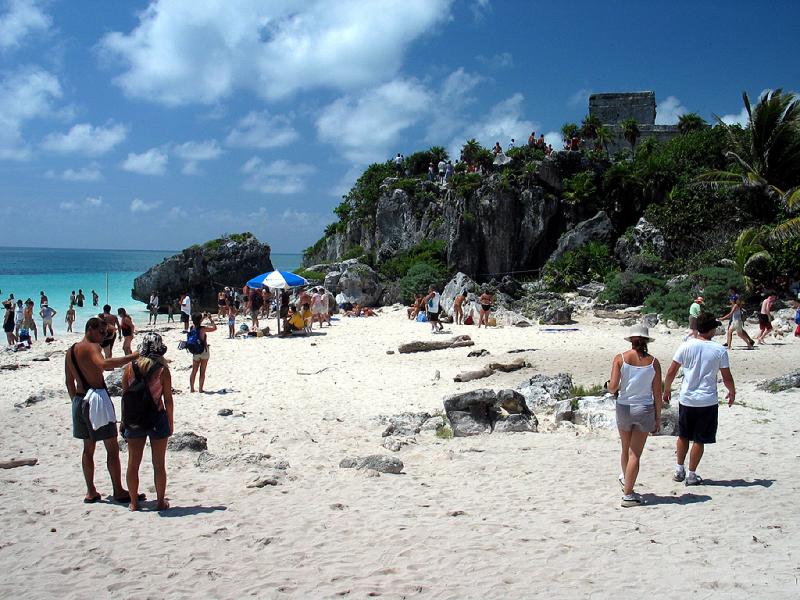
(591,262)
(465,184)
(409,185)
(431,252)
(631,288)
(353,252)
(419,277)
(712,283)
(310,275)
(581,188)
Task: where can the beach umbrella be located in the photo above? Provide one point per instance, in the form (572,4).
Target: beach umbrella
(277,279)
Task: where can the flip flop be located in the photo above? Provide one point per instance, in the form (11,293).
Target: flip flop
(127,499)
(93,499)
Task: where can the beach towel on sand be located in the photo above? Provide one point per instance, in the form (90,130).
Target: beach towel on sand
(101,408)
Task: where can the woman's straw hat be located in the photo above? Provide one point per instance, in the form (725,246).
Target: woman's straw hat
(640,331)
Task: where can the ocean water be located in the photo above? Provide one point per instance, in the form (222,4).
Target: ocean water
(25,272)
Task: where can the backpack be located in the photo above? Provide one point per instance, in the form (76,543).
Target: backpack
(138,406)
(797,316)
(469,320)
(193,343)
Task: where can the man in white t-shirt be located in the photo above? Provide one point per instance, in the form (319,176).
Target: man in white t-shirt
(432,309)
(698,408)
(186,311)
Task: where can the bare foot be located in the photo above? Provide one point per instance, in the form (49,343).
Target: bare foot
(133,506)
(162,504)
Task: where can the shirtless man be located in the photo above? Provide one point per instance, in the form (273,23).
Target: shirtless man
(83,368)
(27,319)
(414,309)
(112,324)
(458,306)
(486,300)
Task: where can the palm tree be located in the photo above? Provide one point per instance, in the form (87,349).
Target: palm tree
(630,131)
(471,151)
(569,131)
(437,153)
(770,158)
(590,125)
(604,136)
(690,123)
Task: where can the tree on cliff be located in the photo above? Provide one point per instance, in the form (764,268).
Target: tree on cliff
(590,126)
(691,122)
(630,131)
(568,131)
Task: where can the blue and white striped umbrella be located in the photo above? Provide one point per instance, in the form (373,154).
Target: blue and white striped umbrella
(276,279)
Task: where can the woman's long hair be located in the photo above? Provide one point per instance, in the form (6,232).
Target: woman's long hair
(640,345)
(146,362)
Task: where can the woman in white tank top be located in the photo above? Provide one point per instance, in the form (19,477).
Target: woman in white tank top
(636,379)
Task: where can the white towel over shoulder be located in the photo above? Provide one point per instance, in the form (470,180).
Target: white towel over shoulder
(101,408)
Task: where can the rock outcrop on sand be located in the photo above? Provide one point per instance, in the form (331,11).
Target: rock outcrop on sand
(203,270)
(486,411)
(782,383)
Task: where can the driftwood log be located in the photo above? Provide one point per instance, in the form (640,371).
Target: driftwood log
(458,341)
(18,462)
(486,371)
(601,313)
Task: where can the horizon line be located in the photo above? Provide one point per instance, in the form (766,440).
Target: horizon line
(112,249)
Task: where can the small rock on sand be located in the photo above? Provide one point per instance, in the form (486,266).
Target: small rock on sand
(187,441)
(376,462)
(224,412)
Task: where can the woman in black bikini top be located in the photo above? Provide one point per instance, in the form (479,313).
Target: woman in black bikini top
(126,328)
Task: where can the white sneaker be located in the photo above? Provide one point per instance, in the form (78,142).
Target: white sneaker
(631,500)
(679,474)
(694,480)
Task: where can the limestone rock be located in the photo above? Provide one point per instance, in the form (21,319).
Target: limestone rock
(483,411)
(407,424)
(433,424)
(782,383)
(597,412)
(358,283)
(114,380)
(376,462)
(597,229)
(544,392)
(187,441)
(636,250)
(592,289)
(231,260)
(563,411)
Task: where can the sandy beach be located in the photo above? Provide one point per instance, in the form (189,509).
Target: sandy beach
(493,516)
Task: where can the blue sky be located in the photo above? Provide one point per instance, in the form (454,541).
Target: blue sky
(159,124)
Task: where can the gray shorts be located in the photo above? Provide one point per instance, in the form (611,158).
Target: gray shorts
(641,417)
(82,426)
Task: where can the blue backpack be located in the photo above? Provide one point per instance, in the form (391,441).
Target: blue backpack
(797,316)
(193,343)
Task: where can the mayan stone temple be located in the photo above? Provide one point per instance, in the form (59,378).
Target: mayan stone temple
(614,108)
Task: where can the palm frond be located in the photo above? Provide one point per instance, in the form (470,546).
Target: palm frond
(787,230)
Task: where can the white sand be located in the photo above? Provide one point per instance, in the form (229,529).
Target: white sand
(541,515)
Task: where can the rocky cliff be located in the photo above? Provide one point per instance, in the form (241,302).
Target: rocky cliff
(203,270)
(490,224)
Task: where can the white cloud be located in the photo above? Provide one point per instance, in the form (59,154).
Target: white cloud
(193,153)
(366,127)
(201,52)
(88,173)
(150,162)
(140,206)
(502,60)
(86,139)
(87,203)
(22,19)
(479,8)
(555,139)
(277,177)
(25,94)
(742,118)
(503,122)
(260,130)
(669,111)
(580,98)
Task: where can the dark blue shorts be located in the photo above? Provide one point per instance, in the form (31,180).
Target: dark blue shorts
(159,431)
(82,425)
(698,423)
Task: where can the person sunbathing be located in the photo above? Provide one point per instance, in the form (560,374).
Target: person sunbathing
(415,307)
(355,311)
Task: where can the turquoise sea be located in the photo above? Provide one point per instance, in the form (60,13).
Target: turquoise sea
(25,272)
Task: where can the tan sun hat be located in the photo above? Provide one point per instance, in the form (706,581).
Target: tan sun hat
(640,331)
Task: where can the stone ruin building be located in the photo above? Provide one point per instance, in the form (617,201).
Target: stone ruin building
(613,109)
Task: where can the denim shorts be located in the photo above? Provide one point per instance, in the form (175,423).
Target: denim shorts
(159,431)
